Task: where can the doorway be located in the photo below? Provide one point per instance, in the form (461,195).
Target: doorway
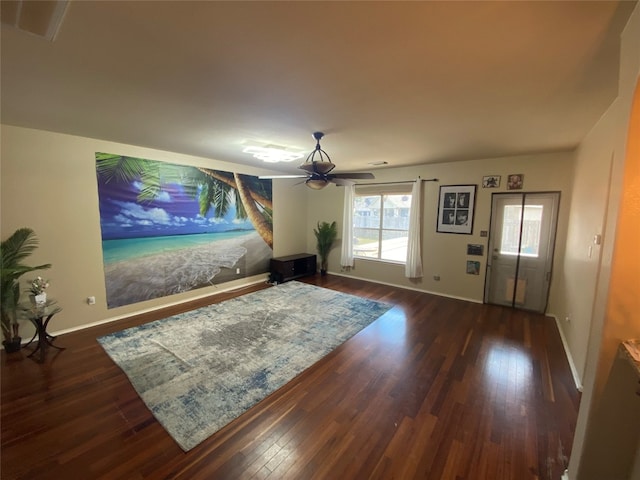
(521,246)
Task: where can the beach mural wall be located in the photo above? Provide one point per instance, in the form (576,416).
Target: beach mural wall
(171,228)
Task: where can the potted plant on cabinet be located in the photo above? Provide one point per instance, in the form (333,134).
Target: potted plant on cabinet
(326,234)
(13,251)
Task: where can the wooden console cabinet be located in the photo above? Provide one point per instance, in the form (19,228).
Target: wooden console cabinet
(292,266)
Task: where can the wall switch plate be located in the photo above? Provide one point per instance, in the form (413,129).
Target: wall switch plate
(91,300)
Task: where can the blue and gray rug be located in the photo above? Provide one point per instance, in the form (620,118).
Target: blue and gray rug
(199,370)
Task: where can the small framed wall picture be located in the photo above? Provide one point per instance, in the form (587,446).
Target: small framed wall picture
(515,181)
(475,249)
(473,267)
(491,181)
(455,209)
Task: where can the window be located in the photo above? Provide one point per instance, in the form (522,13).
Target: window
(381,226)
(531,225)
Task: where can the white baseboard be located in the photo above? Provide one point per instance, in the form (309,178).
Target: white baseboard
(250,281)
(439,294)
(574,371)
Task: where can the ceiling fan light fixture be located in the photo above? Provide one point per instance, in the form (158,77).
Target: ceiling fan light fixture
(317,170)
(316,183)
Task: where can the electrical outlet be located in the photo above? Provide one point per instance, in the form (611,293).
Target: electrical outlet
(238,271)
(436,278)
(91,300)
(567,318)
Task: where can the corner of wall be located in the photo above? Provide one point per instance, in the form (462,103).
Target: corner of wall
(577,378)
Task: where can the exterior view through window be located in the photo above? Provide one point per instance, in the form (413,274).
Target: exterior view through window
(381,226)
(530,230)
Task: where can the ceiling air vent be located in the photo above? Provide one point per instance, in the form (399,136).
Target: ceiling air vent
(41,18)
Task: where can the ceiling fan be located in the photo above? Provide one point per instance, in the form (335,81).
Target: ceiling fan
(318,166)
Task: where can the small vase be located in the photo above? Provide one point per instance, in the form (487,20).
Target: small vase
(40,299)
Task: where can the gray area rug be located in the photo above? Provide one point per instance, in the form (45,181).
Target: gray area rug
(199,370)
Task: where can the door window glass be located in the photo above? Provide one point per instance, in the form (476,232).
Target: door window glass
(531,226)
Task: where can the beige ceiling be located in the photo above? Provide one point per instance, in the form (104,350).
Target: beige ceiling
(402,82)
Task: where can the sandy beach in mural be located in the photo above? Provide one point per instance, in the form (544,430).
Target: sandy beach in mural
(175,271)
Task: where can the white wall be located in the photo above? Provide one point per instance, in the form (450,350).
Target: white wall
(290,214)
(49,184)
(581,266)
(445,254)
(606,436)
(595,198)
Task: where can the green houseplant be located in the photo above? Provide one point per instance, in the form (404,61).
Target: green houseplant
(326,234)
(13,251)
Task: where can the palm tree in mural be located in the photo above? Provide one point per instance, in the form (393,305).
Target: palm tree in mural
(213,189)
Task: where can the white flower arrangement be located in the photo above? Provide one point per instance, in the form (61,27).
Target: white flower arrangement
(39,285)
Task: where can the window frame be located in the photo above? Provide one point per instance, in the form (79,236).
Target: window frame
(381,193)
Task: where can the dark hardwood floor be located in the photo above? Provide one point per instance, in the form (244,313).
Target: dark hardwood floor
(435,389)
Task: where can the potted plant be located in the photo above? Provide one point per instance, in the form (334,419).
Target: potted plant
(326,234)
(13,251)
(37,289)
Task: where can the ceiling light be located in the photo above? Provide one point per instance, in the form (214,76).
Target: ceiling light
(316,183)
(273,154)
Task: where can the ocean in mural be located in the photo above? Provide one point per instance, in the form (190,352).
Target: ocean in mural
(167,228)
(123,249)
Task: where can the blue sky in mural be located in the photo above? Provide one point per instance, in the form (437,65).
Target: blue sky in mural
(172,213)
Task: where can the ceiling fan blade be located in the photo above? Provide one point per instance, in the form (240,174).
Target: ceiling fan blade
(268,177)
(355,175)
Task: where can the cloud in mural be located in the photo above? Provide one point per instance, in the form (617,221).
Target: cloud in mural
(170,212)
(163,196)
(132,214)
(138,214)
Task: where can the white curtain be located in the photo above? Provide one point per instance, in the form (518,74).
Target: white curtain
(346,257)
(413,268)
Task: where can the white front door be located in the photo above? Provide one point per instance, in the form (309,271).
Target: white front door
(521,243)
